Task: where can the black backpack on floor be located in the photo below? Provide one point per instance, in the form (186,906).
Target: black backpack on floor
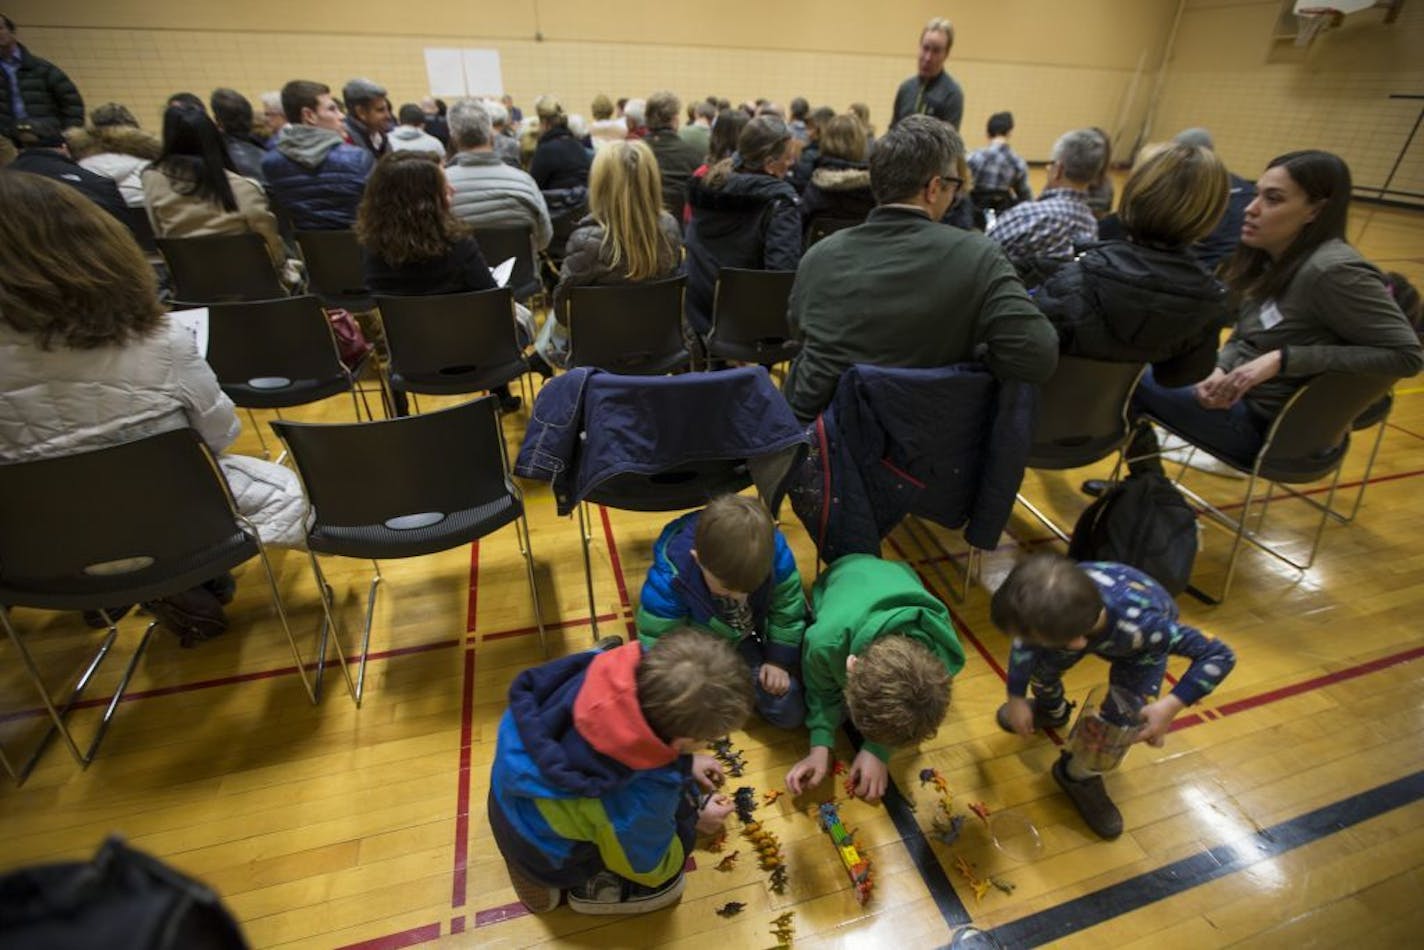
(1143,522)
(121,899)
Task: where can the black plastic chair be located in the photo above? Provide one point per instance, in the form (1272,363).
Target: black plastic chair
(136,219)
(749,320)
(127,524)
(452,343)
(274,354)
(631,329)
(1376,415)
(822,225)
(334,270)
(426,483)
(1308,441)
(1082,418)
(221,268)
(500,244)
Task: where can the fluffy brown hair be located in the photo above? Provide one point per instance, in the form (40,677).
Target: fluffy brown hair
(735,541)
(404,214)
(69,273)
(1046,598)
(693,685)
(897,693)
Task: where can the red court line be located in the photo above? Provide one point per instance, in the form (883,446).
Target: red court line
(462,807)
(959,624)
(617,563)
(1338,676)
(556,625)
(457,925)
(472,611)
(406,938)
(498,915)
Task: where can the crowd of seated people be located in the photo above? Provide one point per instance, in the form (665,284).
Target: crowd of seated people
(651,190)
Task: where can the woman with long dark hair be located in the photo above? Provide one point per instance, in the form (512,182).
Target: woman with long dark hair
(413,245)
(1307,303)
(193,189)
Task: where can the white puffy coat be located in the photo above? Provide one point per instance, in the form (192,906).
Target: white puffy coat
(61,401)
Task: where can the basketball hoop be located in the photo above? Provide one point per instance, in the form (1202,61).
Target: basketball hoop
(1312,21)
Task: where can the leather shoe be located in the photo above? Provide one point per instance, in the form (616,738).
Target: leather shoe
(1095,487)
(1091,799)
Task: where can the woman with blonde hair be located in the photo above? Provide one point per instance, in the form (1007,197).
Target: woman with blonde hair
(627,237)
(1145,298)
(91,361)
(114,146)
(839,188)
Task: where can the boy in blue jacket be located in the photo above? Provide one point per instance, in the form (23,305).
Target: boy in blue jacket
(593,791)
(1058,612)
(727,569)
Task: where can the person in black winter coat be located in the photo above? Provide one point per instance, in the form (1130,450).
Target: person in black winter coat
(46,94)
(43,151)
(1145,298)
(840,184)
(744,214)
(560,160)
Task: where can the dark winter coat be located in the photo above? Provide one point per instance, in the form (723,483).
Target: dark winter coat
(1130,303)
(677,160)
(52,164)
(838,190)
(316,178)
(560,161)
(48,94)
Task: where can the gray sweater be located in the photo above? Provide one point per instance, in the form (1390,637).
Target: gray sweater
(1336,314)
(490,194)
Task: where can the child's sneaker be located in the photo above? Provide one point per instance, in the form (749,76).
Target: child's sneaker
(1091,799)
(539,898)
(607,893)
(1055,718)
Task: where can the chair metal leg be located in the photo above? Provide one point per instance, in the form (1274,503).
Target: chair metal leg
(266,453)
(911,524)
(1365,478)
(586,537)
(329,624)
(371,593)
(526,548)
(58,716)
(1046,521)
(281,609)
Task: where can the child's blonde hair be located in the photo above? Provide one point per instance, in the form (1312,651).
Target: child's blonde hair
(897,692)
(693,685)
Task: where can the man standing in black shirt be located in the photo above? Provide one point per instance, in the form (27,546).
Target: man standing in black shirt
(932,91)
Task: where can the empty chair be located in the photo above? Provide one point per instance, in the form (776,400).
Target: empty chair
(221,268)
(1082,418)
(749,321)
(120,525)
(1307,441)
(500,244)
(272,354)
(334,272)
(442,481)
(452,343)
(632,329)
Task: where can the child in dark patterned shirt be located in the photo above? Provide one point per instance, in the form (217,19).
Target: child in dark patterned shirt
(1058,612)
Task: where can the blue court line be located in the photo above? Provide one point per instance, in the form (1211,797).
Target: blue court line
(1092,909)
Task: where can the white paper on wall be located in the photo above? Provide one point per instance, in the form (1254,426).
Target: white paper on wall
(445,68)
(482,73)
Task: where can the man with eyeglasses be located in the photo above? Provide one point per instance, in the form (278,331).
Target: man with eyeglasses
(904,290)
(931,91)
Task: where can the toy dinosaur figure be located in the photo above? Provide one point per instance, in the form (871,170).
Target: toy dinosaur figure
(730,909)
(729,862)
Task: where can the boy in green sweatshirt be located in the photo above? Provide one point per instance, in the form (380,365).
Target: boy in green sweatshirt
(882,651)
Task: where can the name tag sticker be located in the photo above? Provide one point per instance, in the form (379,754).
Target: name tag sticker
(1270,315)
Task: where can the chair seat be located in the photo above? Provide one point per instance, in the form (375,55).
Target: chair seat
(377,541)
(92,591)
(296,392)
(764,352)
(687,486)
(1071,453)
(454,380)
(1295,471)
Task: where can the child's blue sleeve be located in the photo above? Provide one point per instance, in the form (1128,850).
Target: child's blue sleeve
(1211,661)
(1022,658)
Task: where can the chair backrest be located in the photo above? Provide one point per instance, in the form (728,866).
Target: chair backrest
(822,225)
(1083,412)
(400,472)
(120,518)
(272,353)
(993,199)
(220,268)
(500,244)
(749,320)
(334,270)
(632,329)
(136,219)
(1311,433)
(452,343)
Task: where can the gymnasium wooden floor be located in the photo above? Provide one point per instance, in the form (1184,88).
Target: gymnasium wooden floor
(1288,810)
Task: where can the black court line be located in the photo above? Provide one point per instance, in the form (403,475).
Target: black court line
(931,871)
(1092,909)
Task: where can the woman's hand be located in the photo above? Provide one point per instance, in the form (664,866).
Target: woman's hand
(1244,378)
(1206,391)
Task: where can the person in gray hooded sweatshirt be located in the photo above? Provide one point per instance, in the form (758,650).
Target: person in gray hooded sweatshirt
(312,174)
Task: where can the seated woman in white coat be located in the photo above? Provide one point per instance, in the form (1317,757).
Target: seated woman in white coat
(91,360)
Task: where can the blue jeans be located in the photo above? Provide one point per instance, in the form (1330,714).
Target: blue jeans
(787,711)
(1233,434)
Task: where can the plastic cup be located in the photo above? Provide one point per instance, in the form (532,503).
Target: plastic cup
(1014,835)
(1106,728)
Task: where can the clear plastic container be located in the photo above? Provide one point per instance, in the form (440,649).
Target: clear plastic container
(1015,835)
(1107,727)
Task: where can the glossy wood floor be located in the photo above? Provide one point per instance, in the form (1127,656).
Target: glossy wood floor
(1284,812)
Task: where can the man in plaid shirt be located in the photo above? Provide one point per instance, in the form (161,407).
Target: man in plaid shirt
(1060,218)
(996,167)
